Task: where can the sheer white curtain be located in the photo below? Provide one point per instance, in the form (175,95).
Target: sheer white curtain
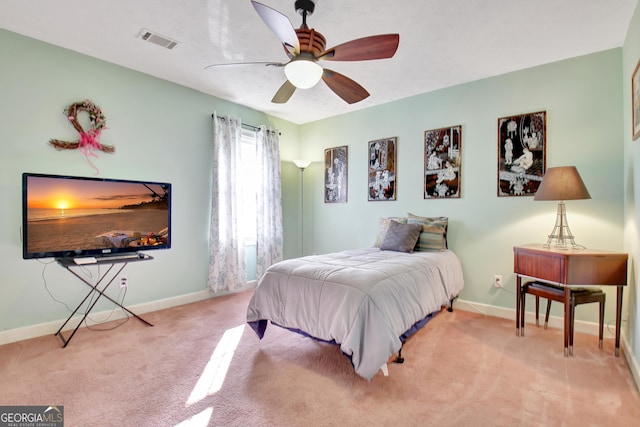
(227,262)
(268,201)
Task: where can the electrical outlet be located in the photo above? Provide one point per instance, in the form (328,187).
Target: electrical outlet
(123,281)
(497,280)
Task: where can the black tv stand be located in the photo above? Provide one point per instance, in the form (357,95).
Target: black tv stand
(105,279)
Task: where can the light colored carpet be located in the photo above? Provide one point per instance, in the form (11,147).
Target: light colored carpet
(462,369)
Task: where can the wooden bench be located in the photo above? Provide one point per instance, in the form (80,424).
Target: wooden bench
(556,293)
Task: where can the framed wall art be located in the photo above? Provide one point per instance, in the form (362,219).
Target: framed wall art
(442,161)
(382,169)
(521,153)
(635,102)
(335,177)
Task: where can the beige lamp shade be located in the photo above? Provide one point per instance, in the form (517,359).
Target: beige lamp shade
(562,183)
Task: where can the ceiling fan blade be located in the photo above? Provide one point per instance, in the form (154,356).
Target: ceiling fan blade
(284,93)
(280,25)
(373,47)
(344,87)
(235,64)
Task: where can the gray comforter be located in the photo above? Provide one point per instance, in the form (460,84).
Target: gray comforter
(362,299)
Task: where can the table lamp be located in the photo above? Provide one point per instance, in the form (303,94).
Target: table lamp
(562,183)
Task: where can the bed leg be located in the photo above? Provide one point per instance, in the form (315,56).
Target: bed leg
(400,359)
(450,308)
(385,370)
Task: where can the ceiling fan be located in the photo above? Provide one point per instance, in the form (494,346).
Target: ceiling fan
(305,47)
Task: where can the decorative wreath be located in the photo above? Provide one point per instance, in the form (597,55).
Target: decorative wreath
(89,140)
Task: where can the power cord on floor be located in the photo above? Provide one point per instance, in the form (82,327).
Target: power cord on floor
(472,305)
(89,274)
(121,295)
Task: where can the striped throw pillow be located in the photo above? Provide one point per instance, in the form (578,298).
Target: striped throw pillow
(433,236)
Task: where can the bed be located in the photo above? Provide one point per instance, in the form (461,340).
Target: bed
(367,301)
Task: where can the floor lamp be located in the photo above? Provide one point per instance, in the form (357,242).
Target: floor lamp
(302,165)
(562,183)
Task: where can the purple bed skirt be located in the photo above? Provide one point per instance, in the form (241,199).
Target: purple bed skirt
(260,327)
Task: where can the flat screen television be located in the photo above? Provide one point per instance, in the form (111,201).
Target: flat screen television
(71,216)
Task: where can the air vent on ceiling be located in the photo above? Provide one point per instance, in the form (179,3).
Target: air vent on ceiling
(156,38)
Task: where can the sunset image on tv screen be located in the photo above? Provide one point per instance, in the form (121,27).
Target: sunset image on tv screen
(73,214)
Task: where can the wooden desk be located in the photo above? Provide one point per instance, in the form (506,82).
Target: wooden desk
(567,267)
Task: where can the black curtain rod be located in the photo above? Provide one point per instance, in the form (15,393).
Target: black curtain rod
(256,128)
(244,125)
(248,126)
(252,127)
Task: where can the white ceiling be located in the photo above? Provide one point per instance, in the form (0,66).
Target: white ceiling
(442,42)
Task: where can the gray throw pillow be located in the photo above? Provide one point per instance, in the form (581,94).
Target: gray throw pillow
(401,237)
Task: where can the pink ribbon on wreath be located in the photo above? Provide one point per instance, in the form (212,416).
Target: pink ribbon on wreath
(88,142)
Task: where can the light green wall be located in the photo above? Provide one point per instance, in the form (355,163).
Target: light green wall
(161,131)
(584,128)
(630,58)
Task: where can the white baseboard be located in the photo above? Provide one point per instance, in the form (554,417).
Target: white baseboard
(557,322)
(634,367)
(47,328)
(50,328)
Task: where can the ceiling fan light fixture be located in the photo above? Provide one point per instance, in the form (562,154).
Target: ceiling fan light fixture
(303,73)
